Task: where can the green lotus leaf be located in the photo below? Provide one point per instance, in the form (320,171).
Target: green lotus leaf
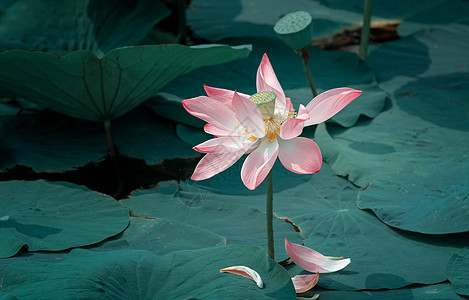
(412,169)
(430,59)
(142,134)
(434,14)
(397,10)
(8,297)
(191,135)
(457,270)
(84,86)
(215,20)
(330,69)
(52,217)
(59,27)
(190,204)
(437,291)
(323,208)
(160,236)
(141,274)
(49,142)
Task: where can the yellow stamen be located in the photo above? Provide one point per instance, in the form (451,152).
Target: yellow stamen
(272,127)
(249,136)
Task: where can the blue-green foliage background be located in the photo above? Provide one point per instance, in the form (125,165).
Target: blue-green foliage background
(392,194)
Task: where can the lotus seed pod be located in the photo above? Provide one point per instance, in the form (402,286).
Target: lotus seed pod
(295,29)
(265,101)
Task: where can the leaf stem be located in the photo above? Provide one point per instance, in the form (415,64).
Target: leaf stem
(270,215)
(365,37)
(182,19)
(113,153)
(111,146)
(305,58)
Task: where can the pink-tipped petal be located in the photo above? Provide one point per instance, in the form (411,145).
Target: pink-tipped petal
(300,155)
(293,127)
(245,272)
(314,261)
(258,164)
(266,80)
(289,105)
(214,163)
(327,104)
(222,95)
(211,111)
(304,283)
(248,115)
(214,130)
(223,145)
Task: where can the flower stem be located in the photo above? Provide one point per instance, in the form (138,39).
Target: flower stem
(270,215)
(305,58)
(362,52)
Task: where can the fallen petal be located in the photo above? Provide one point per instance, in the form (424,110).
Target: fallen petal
(314,261)
(304,283)
(316,296)
(245,272)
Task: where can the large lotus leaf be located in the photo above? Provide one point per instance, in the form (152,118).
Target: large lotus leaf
(457,272)
(84,86)
(435,15)
(215,20)
(323,208)
(412,165)
(161,236)
(330,69)
(188,203)
(142,134)
(427,292)
(435,58)
(431,200)
(399,9)
(59,27)
(45,216)
(49,142)
(191,135)
(143,275)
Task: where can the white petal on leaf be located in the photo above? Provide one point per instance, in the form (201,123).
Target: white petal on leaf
(246,272)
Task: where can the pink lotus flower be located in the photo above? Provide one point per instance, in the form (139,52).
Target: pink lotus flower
(264,125)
